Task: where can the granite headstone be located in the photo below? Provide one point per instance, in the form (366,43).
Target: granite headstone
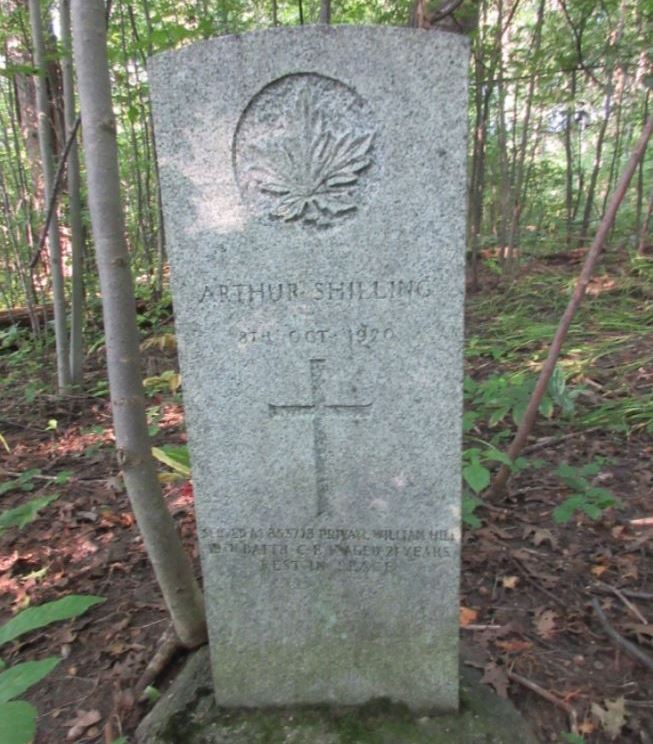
(314,197)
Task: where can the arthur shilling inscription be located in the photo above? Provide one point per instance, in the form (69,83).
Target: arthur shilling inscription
(318,409)
(306,151)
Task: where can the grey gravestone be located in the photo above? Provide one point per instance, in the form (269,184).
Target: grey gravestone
(314,194)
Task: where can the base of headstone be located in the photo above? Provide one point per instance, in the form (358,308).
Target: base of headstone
(188,714)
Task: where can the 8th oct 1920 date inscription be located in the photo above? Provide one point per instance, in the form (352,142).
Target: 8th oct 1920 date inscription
(363,335)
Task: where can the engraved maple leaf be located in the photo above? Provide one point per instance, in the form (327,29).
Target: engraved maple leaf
(312,171)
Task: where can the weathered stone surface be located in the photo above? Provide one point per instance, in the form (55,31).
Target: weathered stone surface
(314,193)
(188,714)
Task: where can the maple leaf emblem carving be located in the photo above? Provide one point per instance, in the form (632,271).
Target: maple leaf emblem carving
(312,171)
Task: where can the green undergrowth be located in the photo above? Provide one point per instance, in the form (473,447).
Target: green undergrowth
(610,339)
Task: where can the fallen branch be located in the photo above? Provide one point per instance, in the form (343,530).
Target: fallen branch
(619,640)
(591,260)
(168,646)
(524,572)
(533,687)
(554,441)
(631,607)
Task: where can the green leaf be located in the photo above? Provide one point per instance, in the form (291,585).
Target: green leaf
(498,415)
(574,738)
(476,476)
(63,477)
(21,515)
(592,510)
(470,504)
(572,477)
(518,411)
(495,455)
(546,407)
(176,458)
(50,612)
(11,70)
(17,722)
(152,694)
(20,677)
(591,468)
(565,511)
(469,420)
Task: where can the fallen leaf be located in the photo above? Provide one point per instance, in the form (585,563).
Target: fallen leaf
(545,624)
(510,582)
(495,676)
(515,646)
(84,720)
(467,616)
(586,727)
(540,535)
(116,484)
(599,569)
(628,567)
(613,717)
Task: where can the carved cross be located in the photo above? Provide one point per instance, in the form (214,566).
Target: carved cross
(318,409)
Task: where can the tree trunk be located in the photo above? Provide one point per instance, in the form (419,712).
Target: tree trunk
(45,142)
(75,205)
(644,231)
(591,189)
(520,157)
(171,565)
(325,12)
(569,155)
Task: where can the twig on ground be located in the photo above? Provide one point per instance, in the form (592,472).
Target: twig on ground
(642,522)
(36,476)
(534,687)
(482,627)
(523,571)
(638,595)
(553,440)
(617,592)
(17,424)
(619,640)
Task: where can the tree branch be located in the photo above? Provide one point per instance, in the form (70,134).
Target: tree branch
(579,45)
(630,648)
(55,192)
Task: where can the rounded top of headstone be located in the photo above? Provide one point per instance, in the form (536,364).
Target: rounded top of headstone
(306,151)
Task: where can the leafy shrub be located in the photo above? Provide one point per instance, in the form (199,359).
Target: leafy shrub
(17,717)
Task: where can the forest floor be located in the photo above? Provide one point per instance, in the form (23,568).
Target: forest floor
(528,580)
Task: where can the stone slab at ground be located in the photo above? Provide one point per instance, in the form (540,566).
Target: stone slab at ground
(313,184)
(188,714)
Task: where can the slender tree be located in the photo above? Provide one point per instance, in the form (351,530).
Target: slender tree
(75,204)
(45,142)
(171,565)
